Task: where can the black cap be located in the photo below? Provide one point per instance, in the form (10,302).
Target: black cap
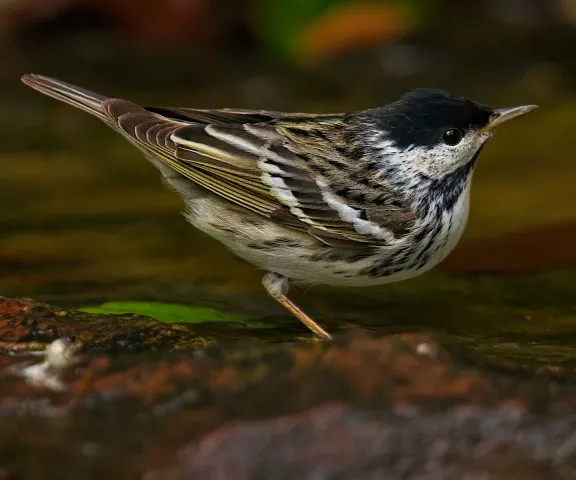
(422,116)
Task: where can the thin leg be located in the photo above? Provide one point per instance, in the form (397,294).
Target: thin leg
(277,286)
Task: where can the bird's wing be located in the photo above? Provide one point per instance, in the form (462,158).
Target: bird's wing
(262,164)
(229,116)
(296,169)
(221,117)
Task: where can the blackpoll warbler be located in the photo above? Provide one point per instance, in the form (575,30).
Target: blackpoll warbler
(354,199)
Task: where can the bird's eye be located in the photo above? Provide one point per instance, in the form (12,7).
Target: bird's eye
(452,137)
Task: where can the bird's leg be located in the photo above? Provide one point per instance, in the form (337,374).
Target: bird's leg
(277,286)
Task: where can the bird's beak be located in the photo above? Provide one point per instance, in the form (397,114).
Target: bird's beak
(504,114)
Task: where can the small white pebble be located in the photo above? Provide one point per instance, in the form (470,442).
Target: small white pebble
(59,355)
(428,349)
(61,352)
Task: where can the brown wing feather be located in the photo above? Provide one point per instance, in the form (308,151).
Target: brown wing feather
(153,133)
(227,116)
(220,117)
(255,165)
(268,162)
(300,186)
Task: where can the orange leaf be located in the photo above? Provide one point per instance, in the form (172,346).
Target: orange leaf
(346,27)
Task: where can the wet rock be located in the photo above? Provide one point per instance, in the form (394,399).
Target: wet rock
(399,406)
(28,325)
(338,441)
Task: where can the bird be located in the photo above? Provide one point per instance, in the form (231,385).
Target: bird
(353,199)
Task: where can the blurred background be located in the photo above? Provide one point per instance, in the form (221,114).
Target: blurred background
(84,216)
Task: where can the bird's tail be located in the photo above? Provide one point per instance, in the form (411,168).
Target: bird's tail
(76,96)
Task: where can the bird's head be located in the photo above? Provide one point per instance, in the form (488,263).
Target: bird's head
(432,133)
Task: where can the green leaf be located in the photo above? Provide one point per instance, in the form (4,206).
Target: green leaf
(169,312)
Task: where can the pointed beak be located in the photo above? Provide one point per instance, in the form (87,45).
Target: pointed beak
(504,114)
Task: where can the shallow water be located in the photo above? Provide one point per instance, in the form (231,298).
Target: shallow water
(87,220)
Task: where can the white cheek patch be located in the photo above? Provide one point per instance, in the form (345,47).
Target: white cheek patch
(427,163)
(443,159)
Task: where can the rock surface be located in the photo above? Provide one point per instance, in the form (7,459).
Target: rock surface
(25,325)
(399,406)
